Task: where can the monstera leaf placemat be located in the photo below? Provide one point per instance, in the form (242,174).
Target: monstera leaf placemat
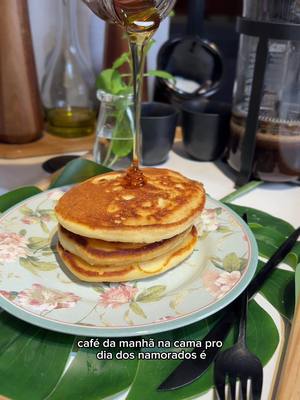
(33,360)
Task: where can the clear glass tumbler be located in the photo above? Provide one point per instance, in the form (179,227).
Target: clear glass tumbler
(114,131)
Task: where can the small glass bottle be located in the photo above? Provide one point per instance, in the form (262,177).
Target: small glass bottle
(68,89)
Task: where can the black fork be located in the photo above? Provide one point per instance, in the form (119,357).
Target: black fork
(239,363)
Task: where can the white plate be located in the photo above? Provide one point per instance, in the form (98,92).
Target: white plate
(35,286)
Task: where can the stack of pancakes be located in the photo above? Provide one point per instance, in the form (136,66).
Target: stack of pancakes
(110,231)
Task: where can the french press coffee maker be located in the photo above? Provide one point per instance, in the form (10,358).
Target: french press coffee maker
(265,123)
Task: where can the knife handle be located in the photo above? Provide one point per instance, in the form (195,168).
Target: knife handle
(289,384)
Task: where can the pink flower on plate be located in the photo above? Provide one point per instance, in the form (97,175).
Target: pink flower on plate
(29,220)
(5,294)
(117,296)
(41,299)
(12,246)
(218,283)
(46,218)
(245,237)
(208,221)
(8,295)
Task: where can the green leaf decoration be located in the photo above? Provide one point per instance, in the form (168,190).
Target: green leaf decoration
(32,360)
(9,199)
(294,256)
(154,293)
(137,309)
(177,299)
(291,259)
(123,59)
(160,74)
(268,240)
(279,291)
(77,171)
(43,265)
(122,135)
(92,379)
(48,213)
(241,191)
(110,81)
(48,253)
(28,212)
(36,242)
(44,226)
(270,232)
(263,219)
(98,289)
(262,334)
(224,229)
(34,265)
(232,262)
(25,263)
(149,45)
(262,339)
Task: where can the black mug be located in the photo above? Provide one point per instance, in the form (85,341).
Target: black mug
(158,123)
(205,128)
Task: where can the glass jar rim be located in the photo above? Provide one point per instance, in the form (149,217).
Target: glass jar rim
(106,96)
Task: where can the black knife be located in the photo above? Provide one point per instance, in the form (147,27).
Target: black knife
(190,370)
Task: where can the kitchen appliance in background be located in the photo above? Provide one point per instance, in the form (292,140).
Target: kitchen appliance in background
(195,63)
(21,115)
(68,88)
(265,124)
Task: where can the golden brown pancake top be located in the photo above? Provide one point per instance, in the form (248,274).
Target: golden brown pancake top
(105,207)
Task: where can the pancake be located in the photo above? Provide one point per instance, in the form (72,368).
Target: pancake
(106,208)
(100,252)
(157,266)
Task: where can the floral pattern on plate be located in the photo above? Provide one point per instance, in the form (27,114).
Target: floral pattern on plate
(12,246)
(41,299)
(35,285)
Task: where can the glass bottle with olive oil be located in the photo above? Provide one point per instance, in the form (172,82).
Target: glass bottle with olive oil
(68,88)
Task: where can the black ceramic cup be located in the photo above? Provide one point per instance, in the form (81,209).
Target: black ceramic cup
(205,128)
(158,122)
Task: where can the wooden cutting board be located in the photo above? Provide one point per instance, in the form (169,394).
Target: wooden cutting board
(289,388)
(46,145)
(51,144)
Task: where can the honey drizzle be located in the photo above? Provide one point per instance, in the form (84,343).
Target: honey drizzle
(140,19)
(134,176)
